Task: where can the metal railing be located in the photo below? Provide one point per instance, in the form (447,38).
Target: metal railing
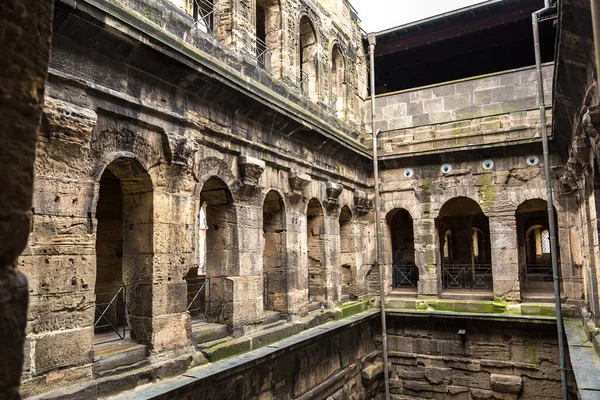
(266,302)
(538,273)
(110,310)
(467,276)
(404,274)
(334,101)
(263,54)
(204,13)
(198,296)
(303,82)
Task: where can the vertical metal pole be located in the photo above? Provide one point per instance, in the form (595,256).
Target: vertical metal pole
(386,373)
(551,219)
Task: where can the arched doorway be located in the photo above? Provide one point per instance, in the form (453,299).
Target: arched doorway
(347,254)
(535,262)
(307,59)
(221,250)
(465,250)
(315,229)
(405,274)
(338,81)
(274,254)
(124,252)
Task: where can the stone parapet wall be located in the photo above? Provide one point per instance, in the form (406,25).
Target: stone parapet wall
(472,113)
(431,358)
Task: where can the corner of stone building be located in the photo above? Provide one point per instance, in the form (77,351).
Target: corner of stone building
(25,45)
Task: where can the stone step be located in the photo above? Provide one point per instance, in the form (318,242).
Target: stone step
(467,294)
(273,324)
(117,354)
(271,317)
(213,343)
(315,305)
(207,332)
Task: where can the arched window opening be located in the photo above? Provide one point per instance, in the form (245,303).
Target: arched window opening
(315,228)
(338,82)
(207,294)
(124,214)
(405,275)
(203,12)
(464,246)
(274,254)
(268,46)
(535,262)
(347,254)
(307,60)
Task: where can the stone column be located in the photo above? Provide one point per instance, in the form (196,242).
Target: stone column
(247,282)
(426,256)
(505,256)
(25,49)
(175,238)
(333,264)
(297,267)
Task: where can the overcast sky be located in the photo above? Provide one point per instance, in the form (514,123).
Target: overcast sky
(377,15)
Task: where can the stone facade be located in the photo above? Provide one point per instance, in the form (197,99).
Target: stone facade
(442,358)
(254,112)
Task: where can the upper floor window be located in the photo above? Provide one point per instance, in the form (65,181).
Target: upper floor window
(307,60)
(268,26)
(338,81)
(203,12)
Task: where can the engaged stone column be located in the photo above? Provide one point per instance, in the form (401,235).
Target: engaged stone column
(426,250)
(247,283)
(505,256)
(25,49)
(333,264)
(297,268)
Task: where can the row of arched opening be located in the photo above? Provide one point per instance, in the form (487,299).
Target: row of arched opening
(268,48)
(125,254)
(465,256)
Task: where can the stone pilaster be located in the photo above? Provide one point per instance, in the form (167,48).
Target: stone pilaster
(426,259)
(297,267)
(505,256)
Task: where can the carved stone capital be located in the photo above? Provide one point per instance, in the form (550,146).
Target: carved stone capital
(362,202)
(333,191)
(298,182)
(251,170)
(178,149)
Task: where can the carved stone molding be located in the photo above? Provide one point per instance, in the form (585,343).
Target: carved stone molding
(251,170)
(178,149)
(333,193)
(362,202)
(298,182)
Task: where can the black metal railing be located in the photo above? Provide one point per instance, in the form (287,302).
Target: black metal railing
(263,54)
(303,82)
(467,276)
(204,13)
(198,296)
(404,274)
(110,310)
(538,277)
(266,301)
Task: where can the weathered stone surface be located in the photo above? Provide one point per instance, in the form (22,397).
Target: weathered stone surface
(506,383)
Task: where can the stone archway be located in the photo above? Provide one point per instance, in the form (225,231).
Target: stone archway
(465,248)
(315,229)
(124,251)
(221,246)
(308,71)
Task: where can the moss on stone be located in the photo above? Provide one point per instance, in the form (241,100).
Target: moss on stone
(355,307)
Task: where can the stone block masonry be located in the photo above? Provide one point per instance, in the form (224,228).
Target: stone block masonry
(480,111)
(458,357)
